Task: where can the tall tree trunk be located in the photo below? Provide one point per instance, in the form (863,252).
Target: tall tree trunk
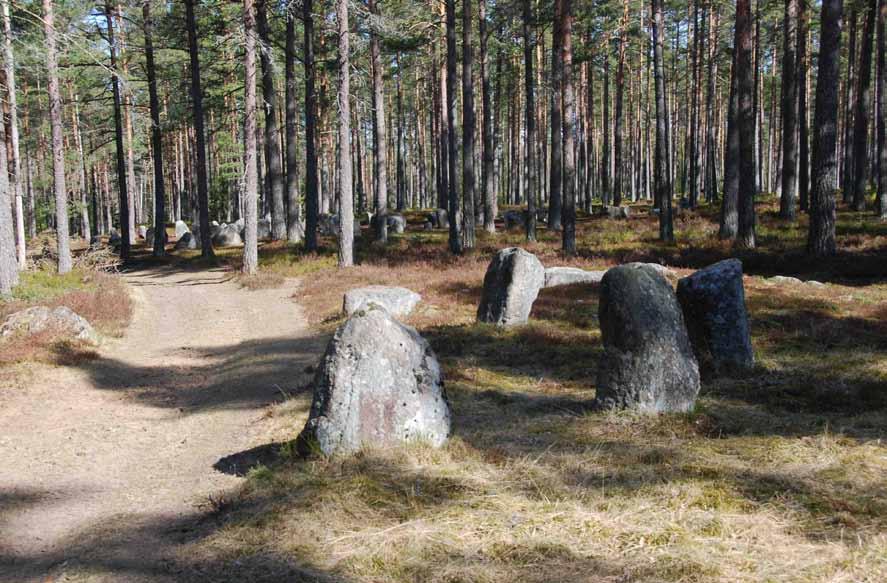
(312,200)
(882,112)
(469,129)
(380,139)
(272,136)
(556,169)
(821,238)
(711,178)
(849,98)
(58,143)
(9,267)
(251,181)
(455,216)
(619,178)
(16,178)
(662,177)
(156,133)
(863,110)
(607,152)
(197,105)
(530,116)
(803,130)
(346,201)
(789,111)
(745,89)
(730,205)
(293,210)
(488,185)
(568,218)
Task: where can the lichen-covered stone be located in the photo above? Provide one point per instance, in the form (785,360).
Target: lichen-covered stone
(38,319)
(399,301)
(555,276)
(511,285)
(379,384)
(648,362)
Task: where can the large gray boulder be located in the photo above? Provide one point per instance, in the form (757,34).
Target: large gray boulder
(227,236)
(379,384)
(617,212)
(181,229)
(187,241)
(511,284)
(514,219)
(648,362)
(713,301)
(399,301)
(61,320)
(396,223)
(438,219)
(555,276)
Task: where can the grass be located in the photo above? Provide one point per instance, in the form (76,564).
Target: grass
(101,298)
(776,476)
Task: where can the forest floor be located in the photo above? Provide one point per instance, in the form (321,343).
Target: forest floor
(107,455)
(775,476)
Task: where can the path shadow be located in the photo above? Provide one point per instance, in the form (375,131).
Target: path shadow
(240,463)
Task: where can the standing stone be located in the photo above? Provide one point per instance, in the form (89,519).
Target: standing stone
(396,223)
(263,229)
(143,231)
(187,241)
(399,301)
(713,301)
(378,384)
(648,363)
(514,219)
(227,236)
(511,284)
(181,229)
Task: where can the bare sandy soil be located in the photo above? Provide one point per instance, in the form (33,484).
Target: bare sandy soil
(107,467)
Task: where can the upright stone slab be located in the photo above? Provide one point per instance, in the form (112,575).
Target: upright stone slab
(181,229)
(511,284)
(263,229)
(713,301)
(396,223)
(648,363)
(378,384)
(399,301)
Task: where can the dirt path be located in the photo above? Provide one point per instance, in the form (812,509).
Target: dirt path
(103,467)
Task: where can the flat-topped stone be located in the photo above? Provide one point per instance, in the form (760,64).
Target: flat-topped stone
(555,276)
(399,301)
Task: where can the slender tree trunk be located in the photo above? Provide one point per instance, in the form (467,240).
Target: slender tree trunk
(730,205)
(455,215)
(251,182)
(380,139)
(530,116)
(346,200)
(882,112)
(803,131)
(156,133)
(821,238)
(662,178)
(745,89)
(272,141)
(9,267)
(197,105)
(789,111)
(863,110)
(312,201)
(619,178)
(469,128)
(16,177)
(607,152)
(488,186)
(711,178)
(850,98)
(568,211)
(293,210)
(58,143)
(556,169)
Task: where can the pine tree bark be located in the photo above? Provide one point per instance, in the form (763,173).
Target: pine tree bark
(863,110)
(274,176)
(469,129)
(455,215)
(849,99)
(312,199)
(745,89)
(619,177)
(661,175)
(729,226)
(293,208)
(882,112)
(9,267)
(789,111)
(568,210)
(251,181)
(58,143)
(380,138)
(206,244)
(803,126)
(556,121)
(346,201)
(821,237)
(156,133)
(16,178)
(529,27)
(488,185)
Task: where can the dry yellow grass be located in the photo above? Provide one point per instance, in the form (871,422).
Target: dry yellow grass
(777,476)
